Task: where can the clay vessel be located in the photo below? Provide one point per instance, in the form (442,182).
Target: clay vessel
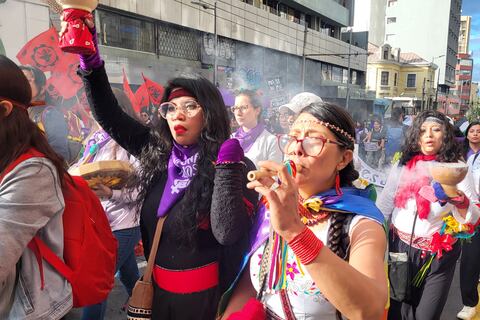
(449,175)
(87,5)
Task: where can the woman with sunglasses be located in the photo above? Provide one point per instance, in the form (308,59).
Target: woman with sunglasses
(314,203)
(192,174)
(257,143)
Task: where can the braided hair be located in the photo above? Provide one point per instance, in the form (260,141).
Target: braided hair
(338,238)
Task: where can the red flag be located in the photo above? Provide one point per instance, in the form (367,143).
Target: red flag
(155,91)
(42,51)
(65,78)
(142,97)
(128,91)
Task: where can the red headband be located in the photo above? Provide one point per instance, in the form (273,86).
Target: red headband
(179,92)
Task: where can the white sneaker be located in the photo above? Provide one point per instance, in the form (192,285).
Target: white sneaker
(467,313)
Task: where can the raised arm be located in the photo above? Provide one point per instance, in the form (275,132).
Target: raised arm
(126,131)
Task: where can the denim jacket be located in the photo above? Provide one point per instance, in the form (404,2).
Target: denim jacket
(31,203)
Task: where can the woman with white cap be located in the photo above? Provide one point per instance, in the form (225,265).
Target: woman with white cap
(288,112)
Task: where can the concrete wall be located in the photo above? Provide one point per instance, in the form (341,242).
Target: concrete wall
(424,27)
(244,22)
(20,21)
(328,8)
(370,16)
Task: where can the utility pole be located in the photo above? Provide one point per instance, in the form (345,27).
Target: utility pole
(304,57)
(423,95)
(207,6)
(438,79)
(347,101)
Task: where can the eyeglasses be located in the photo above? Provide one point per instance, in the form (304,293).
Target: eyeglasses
(189,108)
(239,108)
(312,146)
(286,115)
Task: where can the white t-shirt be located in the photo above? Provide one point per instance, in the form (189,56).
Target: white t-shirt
(474,166)
(264,148)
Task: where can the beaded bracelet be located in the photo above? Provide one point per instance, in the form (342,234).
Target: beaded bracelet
(306,246)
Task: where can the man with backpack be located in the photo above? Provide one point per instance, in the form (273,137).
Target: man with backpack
(62,129)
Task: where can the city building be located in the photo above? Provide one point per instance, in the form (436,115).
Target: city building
(401,78)
(369,16)
(430,28)
(474,99)
(278,47)
(463,81)
(464,35)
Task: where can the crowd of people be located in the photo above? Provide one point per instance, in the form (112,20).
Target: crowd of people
(300,240)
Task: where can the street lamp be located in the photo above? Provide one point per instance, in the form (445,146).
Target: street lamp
(207,6)
(438,79)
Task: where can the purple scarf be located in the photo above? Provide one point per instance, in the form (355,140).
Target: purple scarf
(182,167)
(247,139)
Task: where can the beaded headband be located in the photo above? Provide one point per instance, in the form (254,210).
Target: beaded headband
(433,119)
(332,127)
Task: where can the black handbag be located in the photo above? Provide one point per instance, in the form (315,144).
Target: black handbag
(399,272)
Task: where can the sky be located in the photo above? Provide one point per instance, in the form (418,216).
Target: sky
(472,8)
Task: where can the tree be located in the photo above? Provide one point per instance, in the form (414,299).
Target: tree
(473,114)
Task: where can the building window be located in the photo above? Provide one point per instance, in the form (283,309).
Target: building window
(337,74)
(385,54)
(384,81)
(411,80)
(326,71)
(180,43)
(125,32)
(354,77)
(391,20)
(395,79)
(391,2)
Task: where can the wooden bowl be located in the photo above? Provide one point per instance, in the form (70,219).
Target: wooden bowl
(87,5)
(449,175)
(114,173)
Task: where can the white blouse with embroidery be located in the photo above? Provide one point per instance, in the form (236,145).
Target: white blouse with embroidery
(307,301)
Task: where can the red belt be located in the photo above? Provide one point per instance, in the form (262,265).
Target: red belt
(187,281)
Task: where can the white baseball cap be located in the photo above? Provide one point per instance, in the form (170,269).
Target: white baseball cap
(300,101)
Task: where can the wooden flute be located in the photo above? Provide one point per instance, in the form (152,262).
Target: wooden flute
(257,174)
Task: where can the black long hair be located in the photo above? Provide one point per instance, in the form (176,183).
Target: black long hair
(17,132)
(450,151)
(154,157)
(466,143)
(338,117)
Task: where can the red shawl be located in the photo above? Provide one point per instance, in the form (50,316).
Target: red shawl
(413,181)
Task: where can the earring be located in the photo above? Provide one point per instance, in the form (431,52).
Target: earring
(337,184)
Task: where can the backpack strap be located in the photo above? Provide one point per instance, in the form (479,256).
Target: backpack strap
(38,247)
(42,251)
(31,153)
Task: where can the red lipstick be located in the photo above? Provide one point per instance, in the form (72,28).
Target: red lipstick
(179,129)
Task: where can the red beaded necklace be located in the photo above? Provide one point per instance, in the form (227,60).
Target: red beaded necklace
(311,219)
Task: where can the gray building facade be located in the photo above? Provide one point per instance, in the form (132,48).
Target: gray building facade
(429,28)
